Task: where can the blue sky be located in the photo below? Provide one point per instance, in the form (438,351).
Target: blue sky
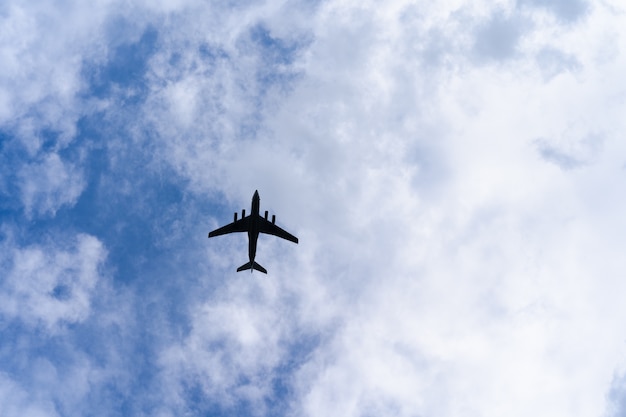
(454,171)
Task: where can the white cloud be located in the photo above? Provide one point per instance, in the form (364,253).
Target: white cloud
(42,59)
(15,401)
(48,185)
(237,341)
(48,286)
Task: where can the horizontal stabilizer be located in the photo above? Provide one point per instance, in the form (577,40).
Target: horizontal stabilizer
(251,266)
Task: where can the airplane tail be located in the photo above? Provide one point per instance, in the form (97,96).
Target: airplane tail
(251,266)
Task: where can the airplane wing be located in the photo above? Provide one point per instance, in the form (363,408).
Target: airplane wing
(241,225)
(270,228)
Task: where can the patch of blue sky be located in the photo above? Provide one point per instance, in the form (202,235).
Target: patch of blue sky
(125,68)
(35,343)
(198,404)
(9,157)
(47,139)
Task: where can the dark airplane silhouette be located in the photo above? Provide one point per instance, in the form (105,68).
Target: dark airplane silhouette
(253,224)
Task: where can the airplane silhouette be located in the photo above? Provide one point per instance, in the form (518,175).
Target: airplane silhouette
(253,224)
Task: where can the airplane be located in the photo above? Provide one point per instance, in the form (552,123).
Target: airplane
(253,224)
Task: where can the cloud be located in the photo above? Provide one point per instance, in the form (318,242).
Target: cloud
(565,10)
(553,62)
(231,354)
(48,286)
(499,37)
(16,401)
(41,75)
(616,398)
(572,153)
(48,185)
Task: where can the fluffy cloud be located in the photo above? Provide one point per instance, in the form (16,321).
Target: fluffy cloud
(48,185)
(48,286)
(15,401)
(41,75)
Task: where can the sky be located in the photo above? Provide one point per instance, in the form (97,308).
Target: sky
(455,172)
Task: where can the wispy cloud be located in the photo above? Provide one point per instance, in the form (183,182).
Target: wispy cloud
(573,152)
(48,185)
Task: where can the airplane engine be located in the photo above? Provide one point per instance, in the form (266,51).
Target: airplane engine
(243,213)
(265,214)
(235,219)
(273,218)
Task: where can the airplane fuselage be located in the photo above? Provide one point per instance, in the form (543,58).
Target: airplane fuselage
(253,232)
